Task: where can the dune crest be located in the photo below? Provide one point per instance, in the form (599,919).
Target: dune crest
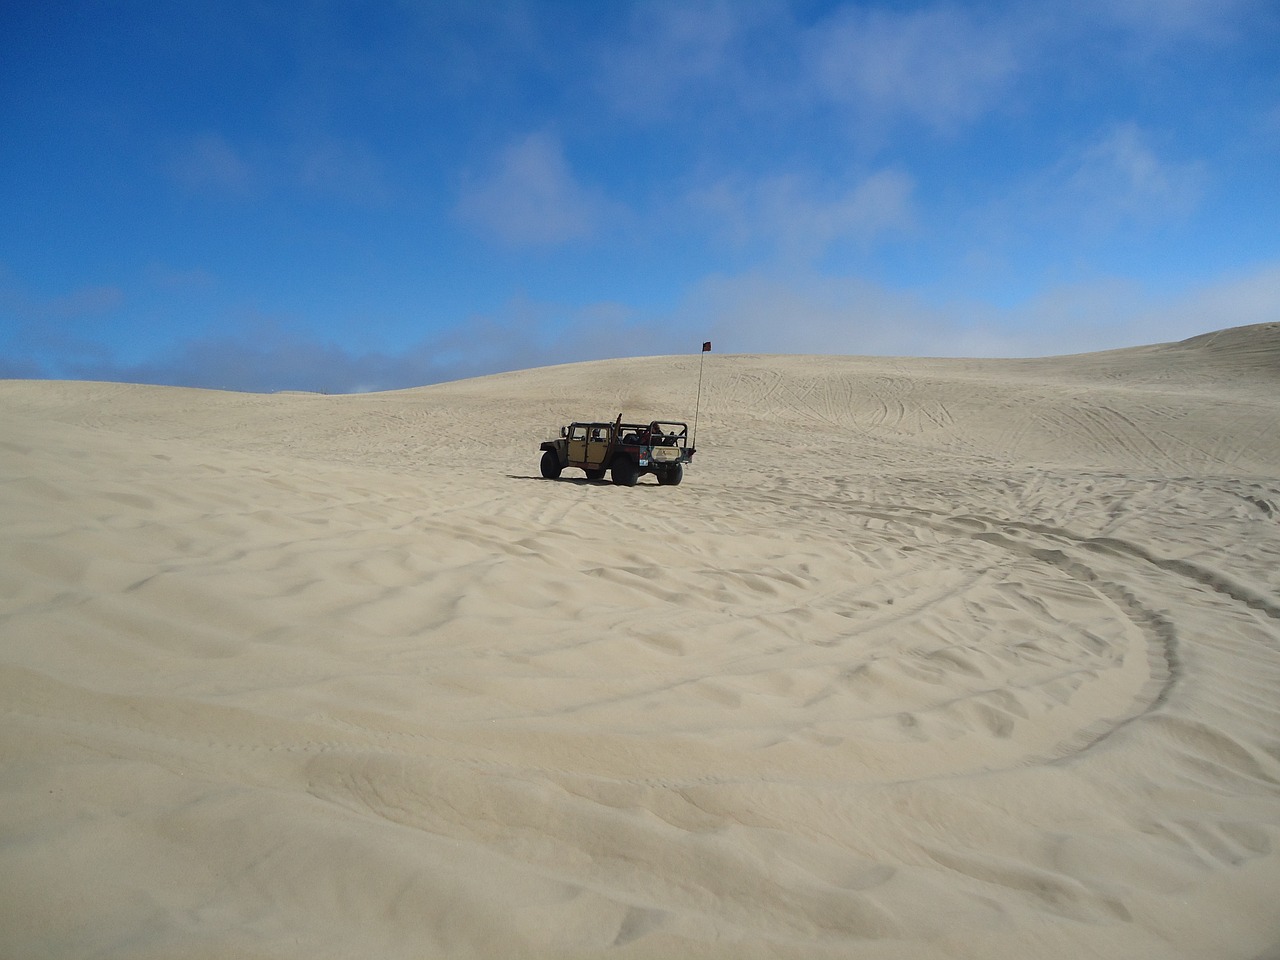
(925,658)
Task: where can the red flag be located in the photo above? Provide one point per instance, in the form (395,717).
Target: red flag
(706,347)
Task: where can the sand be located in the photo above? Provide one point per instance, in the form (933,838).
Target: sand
(924,659)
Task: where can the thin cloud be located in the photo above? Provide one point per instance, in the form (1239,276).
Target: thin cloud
(19,368)
(1122,173)
(941,65)
(1120,179)
(1114,185)
(530,197)
(800,312)
(799,218)
(83,302)
(345,170)
(262,356)
(208,162)
(19,305)
(671,50)
(1199,21)
(35,331)
(166,277)
(1234,300)
(805,312)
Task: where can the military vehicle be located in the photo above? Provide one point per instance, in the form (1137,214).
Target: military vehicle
(626,451)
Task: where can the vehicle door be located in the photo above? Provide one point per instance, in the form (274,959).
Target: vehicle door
(599,442)
(578,443)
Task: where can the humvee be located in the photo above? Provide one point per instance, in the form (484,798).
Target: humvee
(625,450)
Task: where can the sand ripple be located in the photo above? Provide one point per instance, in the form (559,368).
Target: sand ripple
(924,659)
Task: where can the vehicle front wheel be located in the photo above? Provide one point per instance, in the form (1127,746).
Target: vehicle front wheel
(672,475)
(624,471)
(550,465)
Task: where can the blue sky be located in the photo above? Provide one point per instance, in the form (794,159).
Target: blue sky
(368,195)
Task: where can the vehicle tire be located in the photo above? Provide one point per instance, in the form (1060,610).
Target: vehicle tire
(624,471)
(595,473)
(672,475)
(550,465)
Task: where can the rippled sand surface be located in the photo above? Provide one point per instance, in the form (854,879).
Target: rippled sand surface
(924,659)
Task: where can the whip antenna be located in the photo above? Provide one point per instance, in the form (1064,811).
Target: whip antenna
(706,348)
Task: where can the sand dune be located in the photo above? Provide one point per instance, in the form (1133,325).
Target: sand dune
(926,659)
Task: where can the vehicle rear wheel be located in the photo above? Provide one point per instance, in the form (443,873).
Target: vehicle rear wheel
(671,475)
(594,473)
(550,465)
(624,470)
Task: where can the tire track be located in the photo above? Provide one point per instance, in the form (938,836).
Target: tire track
(1059,548)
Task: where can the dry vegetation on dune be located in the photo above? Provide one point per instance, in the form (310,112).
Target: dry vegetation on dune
(925,658)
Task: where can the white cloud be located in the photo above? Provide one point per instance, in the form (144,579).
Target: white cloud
(670,49)
(804,312)
(943,64)
(757,312)
(1120,177)
(1116,185)
(798,218)
(939,64)
(1164,20)
(1230,301)
(530,196)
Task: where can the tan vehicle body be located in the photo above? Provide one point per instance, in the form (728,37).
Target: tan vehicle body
(626,451)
